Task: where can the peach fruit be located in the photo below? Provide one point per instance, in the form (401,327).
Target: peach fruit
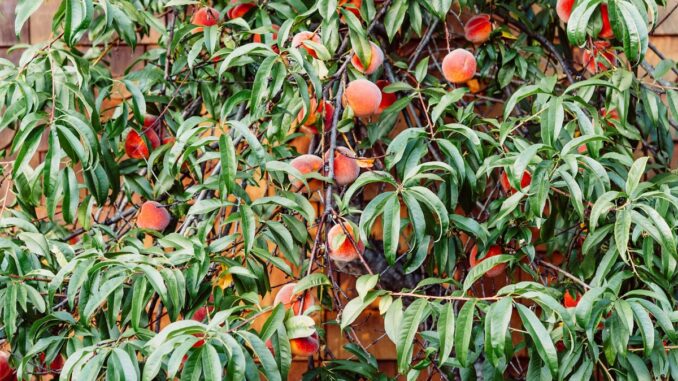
(55,366)
(289,300)
(491,252)
(239,10)
(352,6)
(306,164)
(387,99)
(205,16)
(376,59)
(324,109)
(478,28)
(506,184)
(599,58)
(571,299)
(153,216)
(564,9)
(299,38)
(363,97)
(606,31)
(459,66)
(135,142)
(340,247)
(305,346)
(6,372)
(274,37)
(346,168)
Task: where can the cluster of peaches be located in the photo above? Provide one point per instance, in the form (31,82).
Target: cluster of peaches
(599,57)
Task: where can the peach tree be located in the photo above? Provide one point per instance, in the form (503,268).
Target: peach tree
(495,176)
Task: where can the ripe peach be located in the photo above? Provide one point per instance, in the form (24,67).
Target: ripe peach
(352,6)
(289,300)
(135,144)
(606,31)
(274,37)
(55,366)
(346,168)
(376,59)
(478,28)
(506,185)
(153,216)
(6,372)
(201,313)
(459,66)
(339,245)
(299,38)
(323,108)
(387,99)
(491,252)
(307,164)
(599,58)
(571,299)
(363,97)
(205,16)
(305,346)
(239,10)
(564,9)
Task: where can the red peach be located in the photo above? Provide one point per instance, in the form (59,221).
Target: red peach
(289,300)
(459,66)
(376,59)
(506,185)
(606,31)
(299,38)
(613,114)
(340,247)
(55,366)
(478,28)
(153,216)
(274,37)
(352,6)
(307,164)
(346,168)
(205,16)
(387,99)
(599,58)
(239,10)
(305,346)
(571,300)
(324,109)
(491,252)
(135,144)
(6,372)
(564,9)
(363,97)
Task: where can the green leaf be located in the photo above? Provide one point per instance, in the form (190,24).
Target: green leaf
(409,327)
(248,226)
(484,266)
(540,338)
(366,283)
(445,332)
(621,231)
(394,17)
(311,281)
(500,318)
(635,173)
(463,331)
(391,228)
(24,10)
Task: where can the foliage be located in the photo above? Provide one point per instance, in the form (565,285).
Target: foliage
(79,280)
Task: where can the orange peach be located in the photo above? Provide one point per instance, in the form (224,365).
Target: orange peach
(299,38)
(324,109)
(307,164)
(289,300)
(387,99)
(205,16)
(153,216)
(564,9)
(352,6)
(491,252)
(606,31)
(478,28)
(599,58)
(346,168)
(135,143)
(305,346)
(506,185)
(340,247)
(363,97)
(239,10)
(571,299)
(459,66)
(376,59)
